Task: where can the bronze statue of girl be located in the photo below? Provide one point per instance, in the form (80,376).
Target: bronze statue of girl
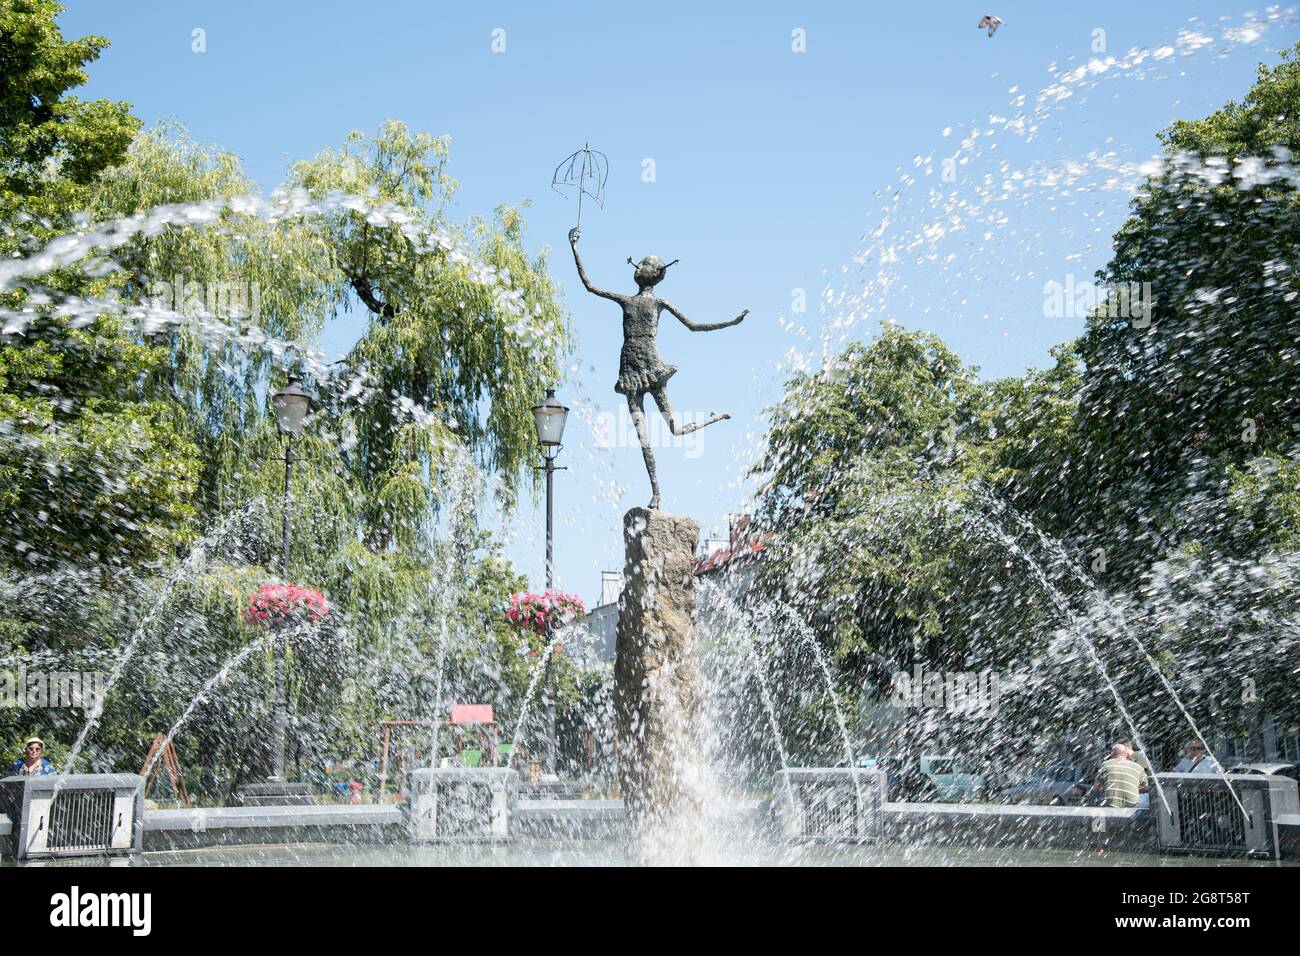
(640,369)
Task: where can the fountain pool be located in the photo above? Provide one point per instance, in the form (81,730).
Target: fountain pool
(565,852)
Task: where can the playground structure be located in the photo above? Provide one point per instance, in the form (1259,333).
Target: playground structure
(162,756)
(473,738)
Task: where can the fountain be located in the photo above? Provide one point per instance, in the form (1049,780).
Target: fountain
(689,788)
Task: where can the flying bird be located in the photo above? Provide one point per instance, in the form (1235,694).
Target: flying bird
(991,22)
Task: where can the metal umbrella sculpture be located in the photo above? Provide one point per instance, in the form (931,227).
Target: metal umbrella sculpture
(584,172)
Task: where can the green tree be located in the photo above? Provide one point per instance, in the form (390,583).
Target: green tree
(463,329)
(40,122)
(1173,410)
(877,475)
(93,469)
(1077,517)
(118,442)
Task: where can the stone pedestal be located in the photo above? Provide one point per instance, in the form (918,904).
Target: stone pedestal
(462,804)
(657,689)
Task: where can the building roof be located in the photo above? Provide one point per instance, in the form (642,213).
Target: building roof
(746,549)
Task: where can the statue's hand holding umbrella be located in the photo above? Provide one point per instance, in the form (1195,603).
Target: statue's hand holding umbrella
(584,173)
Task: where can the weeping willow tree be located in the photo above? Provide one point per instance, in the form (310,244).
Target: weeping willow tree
(135,368)
(460,328)
(458,331)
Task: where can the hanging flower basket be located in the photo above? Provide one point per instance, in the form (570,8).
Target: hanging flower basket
(544,612)
(277,605)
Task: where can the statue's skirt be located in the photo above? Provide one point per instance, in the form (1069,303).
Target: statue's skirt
(633,381)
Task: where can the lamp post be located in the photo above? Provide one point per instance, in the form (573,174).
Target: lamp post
(549,417)
(291,406)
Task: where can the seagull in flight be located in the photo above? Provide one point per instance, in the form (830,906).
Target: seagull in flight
(991,22)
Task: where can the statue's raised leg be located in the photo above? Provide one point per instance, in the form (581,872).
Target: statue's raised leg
(665,409)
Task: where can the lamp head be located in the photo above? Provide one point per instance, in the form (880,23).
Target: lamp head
(292,406)
(549,417)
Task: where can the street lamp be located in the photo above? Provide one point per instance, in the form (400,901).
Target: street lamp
(291,406)
(549,417)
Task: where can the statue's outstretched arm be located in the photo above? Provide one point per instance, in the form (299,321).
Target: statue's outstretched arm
(582,273)
(702,327)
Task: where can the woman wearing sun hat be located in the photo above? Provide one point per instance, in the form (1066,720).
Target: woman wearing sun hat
(33,762)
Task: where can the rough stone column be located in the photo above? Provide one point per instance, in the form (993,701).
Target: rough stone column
(657,688)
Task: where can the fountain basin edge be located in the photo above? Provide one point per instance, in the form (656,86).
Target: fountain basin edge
(906,824)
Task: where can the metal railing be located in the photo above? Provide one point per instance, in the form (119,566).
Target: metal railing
(81,820)
(829,811)
(464,810)
(1209,819)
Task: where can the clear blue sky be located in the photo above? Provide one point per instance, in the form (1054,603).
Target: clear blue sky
(768,164)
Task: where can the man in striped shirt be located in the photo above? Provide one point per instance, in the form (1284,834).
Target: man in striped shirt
(1120,778)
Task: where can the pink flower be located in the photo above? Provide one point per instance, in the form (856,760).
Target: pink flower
(539,612)
(278,604)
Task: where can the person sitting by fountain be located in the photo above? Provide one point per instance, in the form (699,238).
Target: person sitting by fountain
(1120,779)
(33,763)
(1140,758)
(1198,760)
(1137,756)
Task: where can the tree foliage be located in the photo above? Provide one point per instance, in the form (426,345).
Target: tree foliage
(141,471)
(93,468)
(1130,509)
